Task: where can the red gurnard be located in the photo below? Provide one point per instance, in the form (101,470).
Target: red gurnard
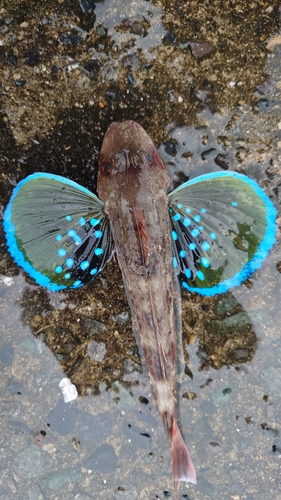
(132,183)
(212,232)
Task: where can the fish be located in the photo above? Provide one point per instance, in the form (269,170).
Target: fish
(209,234)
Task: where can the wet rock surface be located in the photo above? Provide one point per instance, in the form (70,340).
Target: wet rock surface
(31,462)
(203,78)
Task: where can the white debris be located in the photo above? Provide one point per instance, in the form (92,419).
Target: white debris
(8,281)
(68,389)
(232,84)
(70,68)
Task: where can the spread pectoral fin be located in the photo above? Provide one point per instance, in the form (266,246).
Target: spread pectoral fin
(57,231)
(223,226)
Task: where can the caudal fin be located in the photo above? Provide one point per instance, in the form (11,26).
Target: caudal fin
(183,469)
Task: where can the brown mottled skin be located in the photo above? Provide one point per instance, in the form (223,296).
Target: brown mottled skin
(132,183)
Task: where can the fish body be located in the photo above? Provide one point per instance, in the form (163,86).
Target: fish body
(212,232)
(132,183)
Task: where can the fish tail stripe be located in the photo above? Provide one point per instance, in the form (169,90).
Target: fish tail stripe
(183,468)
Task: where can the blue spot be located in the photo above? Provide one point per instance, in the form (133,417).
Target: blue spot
(94,222)
(170,209)
(174,235)
(98,234)
(213,236)
(185,285)
(179,205)
(84,265)
(192,246)
(77,239)
(77,283)
(205,245)
(188,210)
(200,275)
(75,236)
(200,228)
(182,254)
(62,252)
(205,262)
(186,222)
(203,210)
(82,221)
(68,217)
(93,271)
(58,269)
(234,203)
(59,237)
(98,251)
(175,262)
(194,232)
(197,218)
(67,276)
(188,273)
(69,262)
(177,216)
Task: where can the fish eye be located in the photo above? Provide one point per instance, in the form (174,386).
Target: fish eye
(108,167)
(149,160)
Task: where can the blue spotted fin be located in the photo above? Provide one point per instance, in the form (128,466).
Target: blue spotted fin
(57,231)
(223,226)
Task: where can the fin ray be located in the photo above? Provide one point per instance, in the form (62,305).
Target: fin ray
(183,468)
(223,226)
(57,231)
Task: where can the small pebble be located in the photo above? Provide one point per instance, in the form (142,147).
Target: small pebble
(103,459)
(88,6)
(121,317)
(23,25)
(222,160)
(68,39)
(32,58)
(200,50)
(101,30)
(20,83)
(92,65)
(49,447)
(12,59)
(96,350)
(192,338)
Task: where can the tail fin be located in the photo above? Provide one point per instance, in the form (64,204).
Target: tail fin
(183,469)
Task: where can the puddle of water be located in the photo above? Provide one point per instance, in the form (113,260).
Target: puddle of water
(108,441)
(136,23)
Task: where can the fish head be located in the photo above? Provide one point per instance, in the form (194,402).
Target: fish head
(128,158)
